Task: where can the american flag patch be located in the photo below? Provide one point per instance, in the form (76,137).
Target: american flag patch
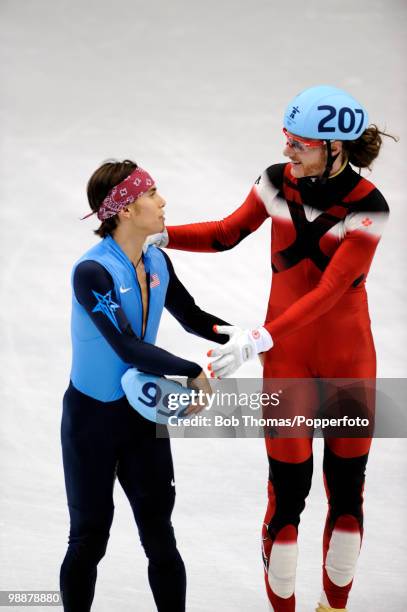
(155,281)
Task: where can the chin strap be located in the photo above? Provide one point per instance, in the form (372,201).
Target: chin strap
(322,180)
(329,162)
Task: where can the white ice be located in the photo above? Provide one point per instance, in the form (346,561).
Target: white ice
(193,91)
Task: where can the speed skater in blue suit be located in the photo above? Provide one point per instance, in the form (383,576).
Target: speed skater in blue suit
(118,294)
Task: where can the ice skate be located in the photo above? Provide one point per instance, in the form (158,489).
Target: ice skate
(322,608)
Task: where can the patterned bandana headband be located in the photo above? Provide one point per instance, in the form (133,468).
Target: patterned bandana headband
(123,194)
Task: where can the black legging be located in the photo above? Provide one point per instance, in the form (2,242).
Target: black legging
(99,441)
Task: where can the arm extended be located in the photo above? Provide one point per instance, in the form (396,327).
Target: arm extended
(350,263)
(214,236)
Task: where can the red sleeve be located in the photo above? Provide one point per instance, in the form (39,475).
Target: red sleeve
(351,260)
(221,235)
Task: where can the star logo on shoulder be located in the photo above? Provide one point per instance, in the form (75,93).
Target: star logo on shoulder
(106,306)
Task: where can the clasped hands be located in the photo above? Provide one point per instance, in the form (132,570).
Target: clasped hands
(244,344)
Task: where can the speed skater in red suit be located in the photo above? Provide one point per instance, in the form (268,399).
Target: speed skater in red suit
(327,221)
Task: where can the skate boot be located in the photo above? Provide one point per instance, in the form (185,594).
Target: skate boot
(322,608)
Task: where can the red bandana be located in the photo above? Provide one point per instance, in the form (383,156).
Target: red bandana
(124,193)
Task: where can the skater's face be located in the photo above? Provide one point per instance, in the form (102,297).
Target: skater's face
(147,213)
(308,157)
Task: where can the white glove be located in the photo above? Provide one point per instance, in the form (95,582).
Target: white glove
(242,346)
(159,240)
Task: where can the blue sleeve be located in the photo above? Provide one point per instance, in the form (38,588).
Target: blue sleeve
(94,289)
(180,303)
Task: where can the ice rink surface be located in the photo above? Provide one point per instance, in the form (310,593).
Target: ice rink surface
(194,92)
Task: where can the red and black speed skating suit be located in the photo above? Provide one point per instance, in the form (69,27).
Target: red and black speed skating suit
(323,239)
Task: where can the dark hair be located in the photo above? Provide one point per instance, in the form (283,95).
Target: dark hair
(109,174)
(363,151)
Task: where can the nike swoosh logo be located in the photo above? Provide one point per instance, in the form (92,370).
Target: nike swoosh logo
(124,289)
